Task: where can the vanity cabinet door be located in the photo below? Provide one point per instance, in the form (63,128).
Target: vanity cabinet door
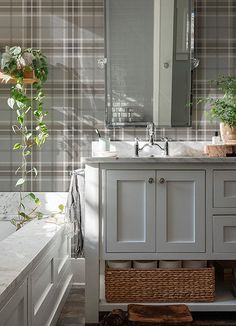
(180,211)
(130,211)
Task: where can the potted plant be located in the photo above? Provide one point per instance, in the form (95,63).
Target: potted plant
(28,106)
(223,108)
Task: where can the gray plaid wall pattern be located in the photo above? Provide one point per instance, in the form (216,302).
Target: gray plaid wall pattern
(71,34)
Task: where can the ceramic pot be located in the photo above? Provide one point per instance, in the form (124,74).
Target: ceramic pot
(228,134)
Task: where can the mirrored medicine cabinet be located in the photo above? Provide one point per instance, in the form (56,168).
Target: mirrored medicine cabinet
(149,62)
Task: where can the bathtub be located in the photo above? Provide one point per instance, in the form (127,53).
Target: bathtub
(6,228)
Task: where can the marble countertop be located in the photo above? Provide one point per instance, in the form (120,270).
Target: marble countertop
(160,159)
(22,249)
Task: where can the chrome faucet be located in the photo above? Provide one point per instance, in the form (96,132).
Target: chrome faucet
(151,143)
(151,133)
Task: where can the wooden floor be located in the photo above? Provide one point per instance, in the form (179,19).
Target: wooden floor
(73,313)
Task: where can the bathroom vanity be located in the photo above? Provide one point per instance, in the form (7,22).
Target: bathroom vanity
(158,208)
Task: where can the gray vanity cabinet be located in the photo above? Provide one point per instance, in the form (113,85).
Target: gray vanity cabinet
(180,211)
(155,211)
(158,209)
(130,211)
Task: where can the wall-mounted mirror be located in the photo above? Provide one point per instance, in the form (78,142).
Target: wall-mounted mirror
(148,62)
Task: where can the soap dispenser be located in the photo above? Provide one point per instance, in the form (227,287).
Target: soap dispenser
(216,138)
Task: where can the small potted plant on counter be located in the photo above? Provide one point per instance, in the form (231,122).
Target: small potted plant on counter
(223,108)
(21,67)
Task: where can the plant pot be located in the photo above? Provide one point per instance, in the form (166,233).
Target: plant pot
(29,77)
(228,134)
(29,74)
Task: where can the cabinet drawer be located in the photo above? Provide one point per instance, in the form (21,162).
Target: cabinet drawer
(224,233)
(225,188)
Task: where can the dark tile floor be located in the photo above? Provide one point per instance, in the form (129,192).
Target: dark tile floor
(73,313)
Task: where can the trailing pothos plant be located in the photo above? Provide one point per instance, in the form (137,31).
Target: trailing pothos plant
(27,103)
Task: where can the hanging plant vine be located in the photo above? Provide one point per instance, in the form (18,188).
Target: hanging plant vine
(27,102)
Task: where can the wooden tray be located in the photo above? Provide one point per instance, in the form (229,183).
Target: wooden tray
(221,150)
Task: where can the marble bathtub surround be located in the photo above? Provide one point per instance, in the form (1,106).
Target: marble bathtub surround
(22,249)
(49,203)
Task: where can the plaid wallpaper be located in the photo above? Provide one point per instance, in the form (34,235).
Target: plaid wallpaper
(70,33)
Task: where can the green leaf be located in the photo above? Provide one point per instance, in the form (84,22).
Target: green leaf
(13,221)
(20,182)
(18,226)
(16,50)
(35,171)
(37,201)
(25,216)
(17,146)
(39,215)
(11,102)
(32,195)
(61,208)
(20,119)
(27,153)
(22,205)
(28,135)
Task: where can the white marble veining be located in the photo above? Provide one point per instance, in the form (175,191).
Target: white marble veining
(22,249)
(49,203)
(167,159)
(176,148)
(179,152)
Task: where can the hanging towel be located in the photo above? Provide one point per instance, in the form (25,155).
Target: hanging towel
(75,212)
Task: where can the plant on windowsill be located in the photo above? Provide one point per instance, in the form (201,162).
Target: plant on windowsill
(223,108)
(16,65)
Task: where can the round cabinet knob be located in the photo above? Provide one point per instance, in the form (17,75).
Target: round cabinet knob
(151,180)
(162,180)
(166,65)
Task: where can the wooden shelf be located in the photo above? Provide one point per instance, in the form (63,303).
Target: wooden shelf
(27,80)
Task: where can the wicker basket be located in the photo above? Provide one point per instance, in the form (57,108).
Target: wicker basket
(160,285)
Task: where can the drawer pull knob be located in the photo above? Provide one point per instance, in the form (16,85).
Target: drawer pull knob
(162,180)
(151,180)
